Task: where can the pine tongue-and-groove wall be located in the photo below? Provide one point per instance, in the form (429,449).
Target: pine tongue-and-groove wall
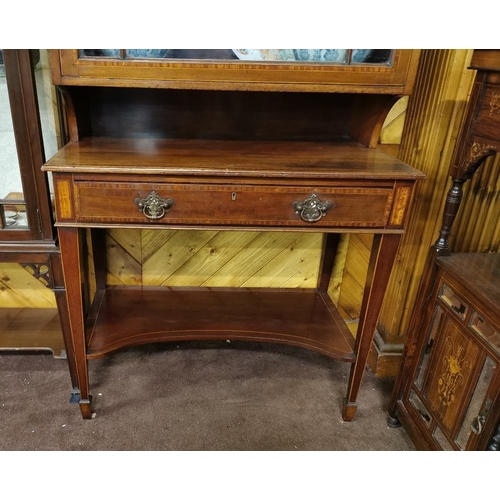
(213,258)
(277,259)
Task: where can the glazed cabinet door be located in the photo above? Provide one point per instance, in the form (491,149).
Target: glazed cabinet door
(25,208)
(389,71)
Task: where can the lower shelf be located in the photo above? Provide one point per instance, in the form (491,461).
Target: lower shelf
(31,329)
(124,316)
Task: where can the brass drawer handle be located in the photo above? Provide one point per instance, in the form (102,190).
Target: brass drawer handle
(154,206)
(312,208)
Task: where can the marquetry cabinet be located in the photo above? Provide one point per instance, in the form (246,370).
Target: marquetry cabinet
(268,140)
(453,400)
(27,233)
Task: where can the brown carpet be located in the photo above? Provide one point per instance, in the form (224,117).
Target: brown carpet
(194,396)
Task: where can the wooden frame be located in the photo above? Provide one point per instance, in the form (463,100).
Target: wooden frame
(397,78)
(34,247)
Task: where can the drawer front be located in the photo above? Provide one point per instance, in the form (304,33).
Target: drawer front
(200,204)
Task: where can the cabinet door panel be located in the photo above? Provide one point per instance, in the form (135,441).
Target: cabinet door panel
(479,407)
(25,208)
(447,388)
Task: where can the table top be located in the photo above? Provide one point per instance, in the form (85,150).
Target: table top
(479,272)
(304,160)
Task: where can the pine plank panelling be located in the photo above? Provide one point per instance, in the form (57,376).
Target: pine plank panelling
(152,241)
(201,266)
(213,258)
(356,268)
(123,268)
(338,269)
(284,265)
(172,255)
(432,125)
(477,227)
(307,276)
(19,289)
(129,240)
(250,259)
(392,129)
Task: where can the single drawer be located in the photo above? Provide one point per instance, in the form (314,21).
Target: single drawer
(208,204)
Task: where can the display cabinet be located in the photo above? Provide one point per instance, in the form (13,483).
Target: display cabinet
(163,140)
(27,234)
(453,399)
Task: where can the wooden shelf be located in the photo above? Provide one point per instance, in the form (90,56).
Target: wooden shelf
(31,329)
(231,158)
(123,317)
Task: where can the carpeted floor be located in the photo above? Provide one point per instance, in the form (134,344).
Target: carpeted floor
(194,396)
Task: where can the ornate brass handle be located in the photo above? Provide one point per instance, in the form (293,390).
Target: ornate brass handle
(478,423)
(154,206)
(312,208)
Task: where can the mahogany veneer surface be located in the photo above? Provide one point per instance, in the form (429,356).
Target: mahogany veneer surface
(306,318)
(26,328)
(344,160)
(481,272)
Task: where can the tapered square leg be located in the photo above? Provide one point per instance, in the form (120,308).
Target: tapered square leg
(348,410)
(69,241)
(382,257)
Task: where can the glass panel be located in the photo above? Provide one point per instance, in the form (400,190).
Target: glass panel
(332,56)
(146,53)
(371,56)
(416,402)
(476,403)
(485,330)
(12,205)
(441,439)
(450,298)
(436,321)
(275,55)
(47,105)
(99,53)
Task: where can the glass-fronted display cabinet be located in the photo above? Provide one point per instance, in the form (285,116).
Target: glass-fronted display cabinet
(389,71)
(28,132)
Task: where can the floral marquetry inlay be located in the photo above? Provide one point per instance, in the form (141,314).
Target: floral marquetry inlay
(479,150)
(455,362)
(495,104)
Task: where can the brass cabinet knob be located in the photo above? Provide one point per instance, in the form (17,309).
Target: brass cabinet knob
(154,206)
(312,208)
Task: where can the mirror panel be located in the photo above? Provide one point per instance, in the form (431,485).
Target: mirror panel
(12,205)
